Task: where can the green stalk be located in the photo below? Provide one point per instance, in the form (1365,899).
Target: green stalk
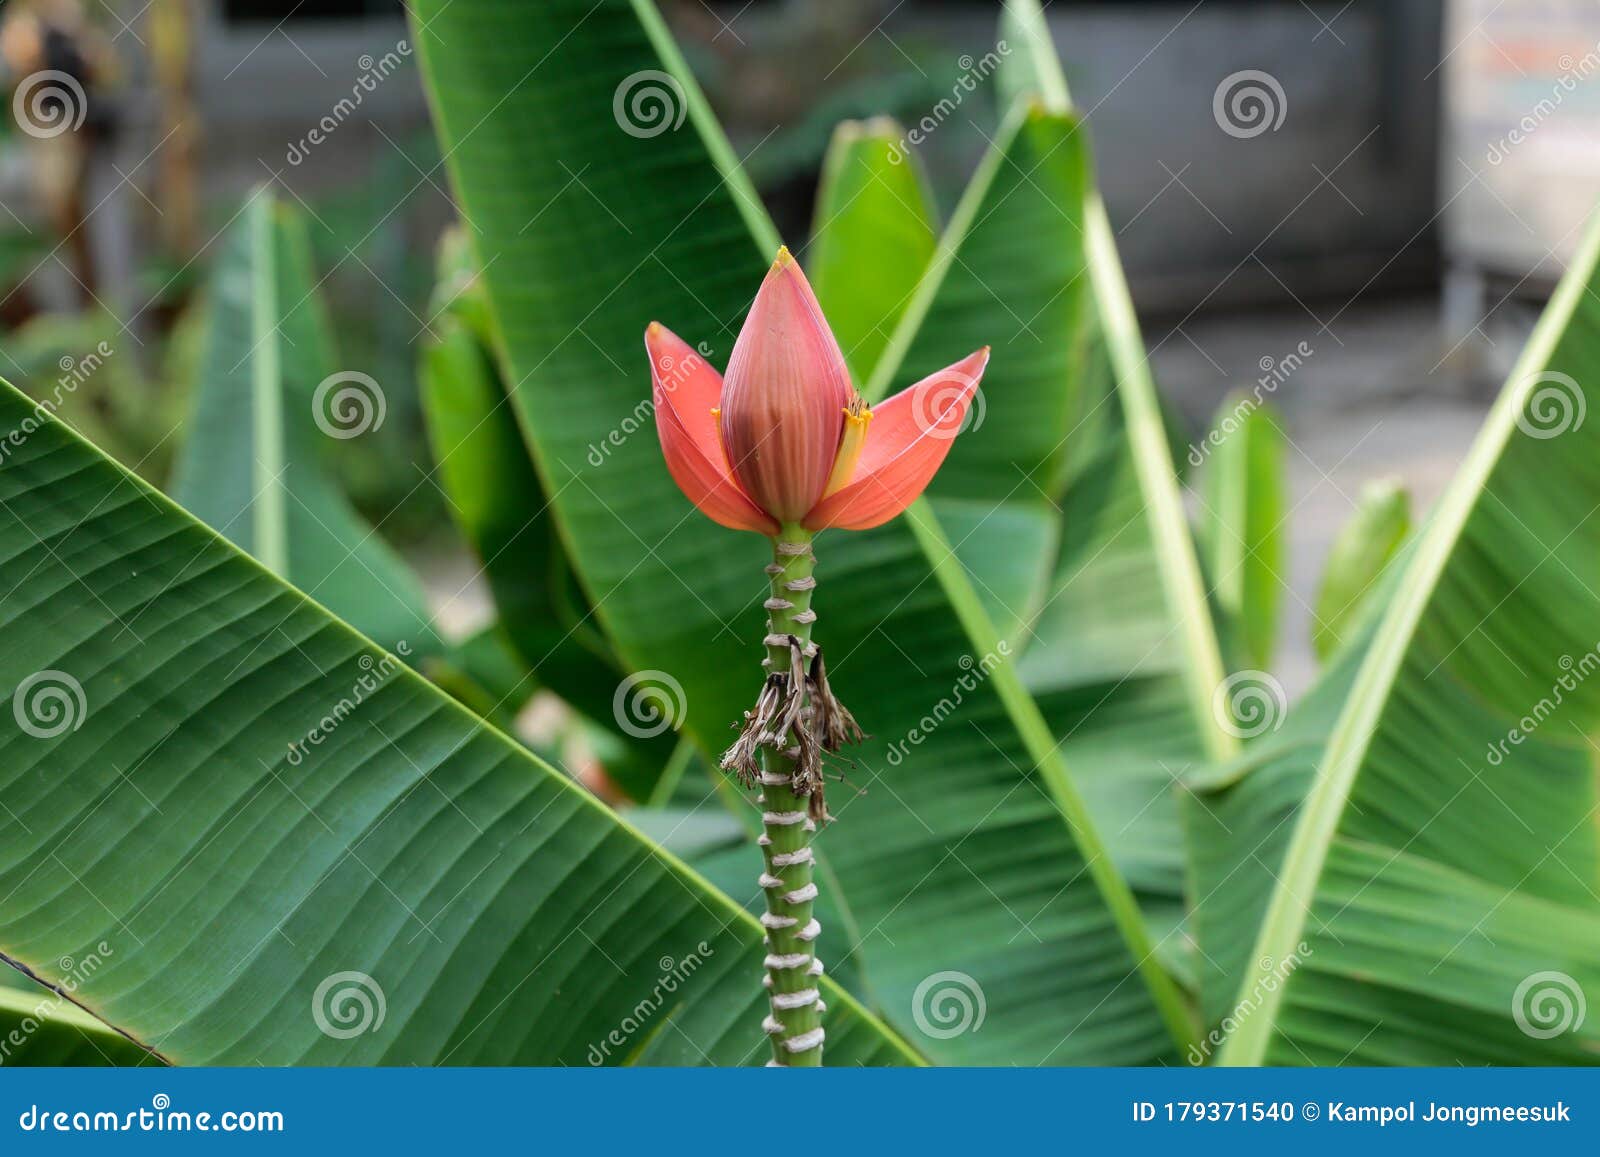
(792,967)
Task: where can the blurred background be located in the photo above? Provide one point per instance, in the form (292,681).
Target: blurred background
(1361,203)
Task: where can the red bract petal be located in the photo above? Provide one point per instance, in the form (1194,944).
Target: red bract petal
(906,443)
(685,390)
(689,385)
(784,397)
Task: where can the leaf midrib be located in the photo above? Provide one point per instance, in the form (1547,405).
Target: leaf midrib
(269,515)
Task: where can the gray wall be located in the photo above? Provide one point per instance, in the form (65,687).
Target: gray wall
(1339,197)
(1192,202)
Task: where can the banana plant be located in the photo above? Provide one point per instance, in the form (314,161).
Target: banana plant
(281,845)
(345,821)
(1403,872)
(983,563)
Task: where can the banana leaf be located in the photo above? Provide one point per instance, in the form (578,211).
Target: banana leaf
(41,1027)
(1357,562)
(1122,655)
(271,401)
(296,850)
(499,503)
(1436,901)
(873,234)
(1242,528)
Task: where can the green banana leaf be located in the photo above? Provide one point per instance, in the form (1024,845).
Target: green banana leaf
(498,502)
(41,1027)
(874,231)
(1357,561)
(980,858)
(1121,656)
(485,674)
(298,851)
(1242,528)
(1238,816)
(271,400)
(1436,903)
(1045,503)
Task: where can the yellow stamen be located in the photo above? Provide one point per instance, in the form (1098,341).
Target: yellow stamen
(716,412)
(857,417)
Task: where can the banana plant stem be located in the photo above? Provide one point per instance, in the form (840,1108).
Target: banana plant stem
(794,1025)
